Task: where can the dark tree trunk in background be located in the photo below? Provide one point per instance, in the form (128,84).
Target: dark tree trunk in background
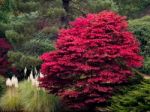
(66,4)
(65,18)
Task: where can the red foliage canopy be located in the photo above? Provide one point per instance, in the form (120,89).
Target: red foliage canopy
(4,64)
(91,56)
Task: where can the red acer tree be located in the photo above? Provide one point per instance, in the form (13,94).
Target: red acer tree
(93,55)
(4,64)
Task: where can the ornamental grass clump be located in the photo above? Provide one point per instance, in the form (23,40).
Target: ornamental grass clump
(35,99)
(27,96)
(92,56)
(11,101)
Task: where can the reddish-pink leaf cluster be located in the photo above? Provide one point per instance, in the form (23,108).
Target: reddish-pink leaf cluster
(91,56)
(4,64)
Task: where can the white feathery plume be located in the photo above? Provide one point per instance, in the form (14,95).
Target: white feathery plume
(31,76)
(36,83)
(14,81)
(33,82)
(41,75)
(36,72)
(25,71)
(8,82)
(36,78)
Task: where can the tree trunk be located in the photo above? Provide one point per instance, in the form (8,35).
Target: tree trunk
(66,5)
(65,18)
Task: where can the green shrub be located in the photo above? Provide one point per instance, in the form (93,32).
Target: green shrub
(99,5)
(38,46)
(30,5)
(133,99)
(54,13)
(3,28)
(51,32)
(21,60)
(14,37)
(141,29)
(37,100)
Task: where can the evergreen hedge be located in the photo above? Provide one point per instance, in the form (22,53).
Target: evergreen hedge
(141,29)
(133,99)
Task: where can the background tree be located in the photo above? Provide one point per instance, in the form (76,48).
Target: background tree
(5,10)
(23,34)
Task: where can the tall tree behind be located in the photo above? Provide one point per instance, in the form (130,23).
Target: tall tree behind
(33,25)
(5,10)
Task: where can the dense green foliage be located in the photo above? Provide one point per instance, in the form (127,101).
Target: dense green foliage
(131,8)
(5,9)
(133,99)
(141,29)
(21,31)
(20,60)
(80,7)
